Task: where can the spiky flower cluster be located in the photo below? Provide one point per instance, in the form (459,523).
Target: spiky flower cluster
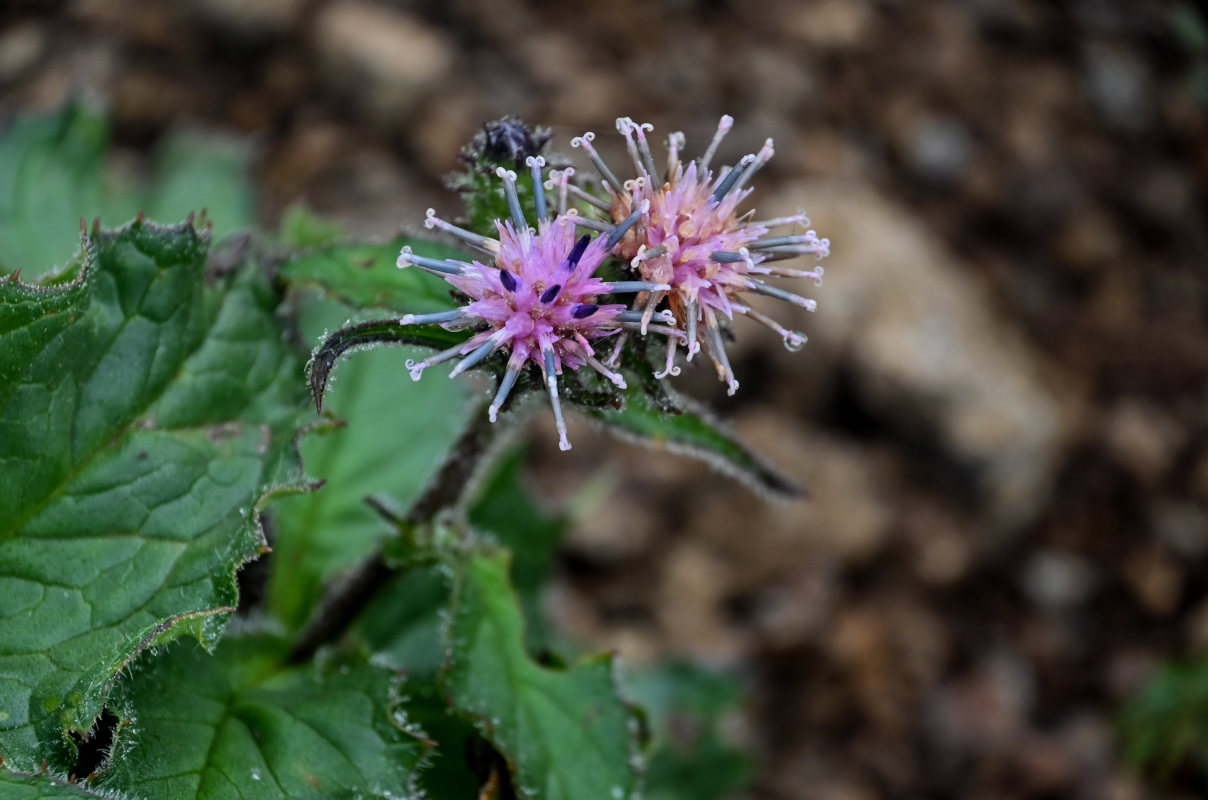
(538,298)
(690,235)
(680,230)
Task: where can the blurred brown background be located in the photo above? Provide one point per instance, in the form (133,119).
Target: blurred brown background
(1003,411)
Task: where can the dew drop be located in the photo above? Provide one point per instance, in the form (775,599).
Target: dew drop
(794,341)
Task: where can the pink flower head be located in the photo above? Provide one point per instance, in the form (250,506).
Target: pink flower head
(692,237)
(536,298)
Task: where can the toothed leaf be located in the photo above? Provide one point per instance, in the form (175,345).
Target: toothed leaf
(46,786)
(392,438)
(237,724)
(54,170)
(365,275)
(144,416)
(565,733)
(660,419)
(368,334)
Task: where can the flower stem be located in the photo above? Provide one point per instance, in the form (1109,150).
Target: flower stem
(347,598)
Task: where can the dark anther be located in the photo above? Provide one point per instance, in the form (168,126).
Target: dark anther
(576,252)
(508,280)
(584,310)
(549,294)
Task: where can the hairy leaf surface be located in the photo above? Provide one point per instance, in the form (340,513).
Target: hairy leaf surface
(143,417)
(565,733)
(236,724)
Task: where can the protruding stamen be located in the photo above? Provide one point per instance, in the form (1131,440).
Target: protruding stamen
(793,340)
(725,184)
(482,351)
(640,317)
(623,287)
(670,368)
(509,191)
(783,241)
(675,143)
(723,127)
(439,317)
(796,219)
(416,368)
(589,198)
(610,180)
(535,163)
(691,313)
(561,179)
(625,126)
(584,310)
(619,232)
(436,265)
(717,350)
(615,377)
(782,272)
(509,281)
(819,248)
(652,301)
(591,224)
(646,255)
(760,287)
(762,157)
(643,147)
(615,355)
(551,384)
(505,386)
(551,294)
(484,243)
(727,257)
(663,329)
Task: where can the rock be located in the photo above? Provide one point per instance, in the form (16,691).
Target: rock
(20,48)
(930,353)
(1057,581)
(1143,438)
(938,149)
(384,57)
(1180,526)
(250,22)
(1119,86)
(1155,579)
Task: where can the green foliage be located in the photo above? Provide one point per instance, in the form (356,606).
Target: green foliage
(55,170)
(566,734)
(691,757)
(244,726)
(45,785)
(153,400)
(1166,724)
(144,418)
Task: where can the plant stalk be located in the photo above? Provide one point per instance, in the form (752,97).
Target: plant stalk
(347,598)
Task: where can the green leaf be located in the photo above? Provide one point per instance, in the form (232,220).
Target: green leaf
(238,724)
(144,417)
(690,430)
(300,227)
(54,171)
(364,275)
(505,509)
(392,438)
(1166,723)
(44,785)
(565,734)
(690,758)
(367,334)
